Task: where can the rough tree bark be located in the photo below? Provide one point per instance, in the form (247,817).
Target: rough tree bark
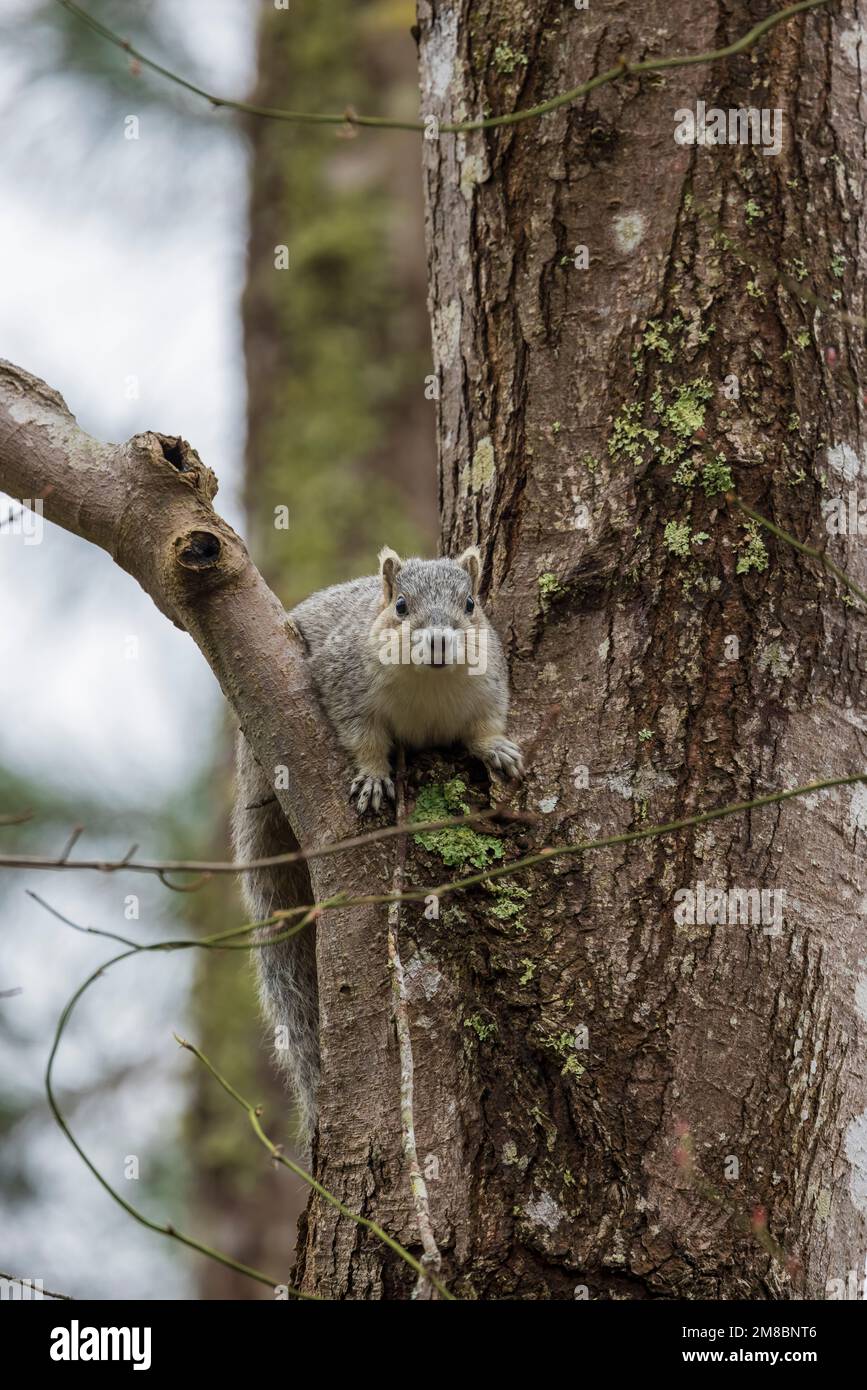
(564,1166)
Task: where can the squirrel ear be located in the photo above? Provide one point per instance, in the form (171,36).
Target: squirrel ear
(389,567)
(471,561)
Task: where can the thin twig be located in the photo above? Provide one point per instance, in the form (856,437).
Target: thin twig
(222,940)
(86,931)
(165,1229)
(811,550)
(162,875)
(28,1284)
(348,117)
(276,1152)
(77,832)
(206,867)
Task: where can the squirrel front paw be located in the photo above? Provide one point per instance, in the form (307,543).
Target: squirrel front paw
(370,791)
(502,758)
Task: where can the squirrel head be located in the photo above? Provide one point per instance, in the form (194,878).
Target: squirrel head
(433,606)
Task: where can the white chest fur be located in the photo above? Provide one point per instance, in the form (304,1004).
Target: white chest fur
(427,706)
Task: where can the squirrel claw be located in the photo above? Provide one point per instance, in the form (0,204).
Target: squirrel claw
(503,760)
(370,792)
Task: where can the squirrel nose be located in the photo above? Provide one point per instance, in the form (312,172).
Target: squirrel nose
(439,645)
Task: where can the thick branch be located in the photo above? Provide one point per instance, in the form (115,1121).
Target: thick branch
(148,502)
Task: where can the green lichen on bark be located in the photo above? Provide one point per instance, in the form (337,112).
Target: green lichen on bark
(511,903)
(457,845)
(753,551)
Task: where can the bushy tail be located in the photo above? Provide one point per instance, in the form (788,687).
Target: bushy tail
(287,972)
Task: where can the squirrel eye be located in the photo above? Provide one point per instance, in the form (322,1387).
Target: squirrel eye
(400,607)
(471,603)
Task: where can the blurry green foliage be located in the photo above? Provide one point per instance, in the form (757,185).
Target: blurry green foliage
(332,360)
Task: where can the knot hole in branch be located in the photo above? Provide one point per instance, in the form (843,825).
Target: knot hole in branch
(176,451)
(198,550)
(154,449)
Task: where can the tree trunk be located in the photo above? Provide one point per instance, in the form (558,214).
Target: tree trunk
(705,1136)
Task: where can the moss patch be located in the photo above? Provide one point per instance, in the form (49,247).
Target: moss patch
(483,465)
(506,59)
(564,1044)
(549,587)
(630,438)
(678,417)
(716,476)
(458,845)
(482,1030)
(679,538)
(511,901)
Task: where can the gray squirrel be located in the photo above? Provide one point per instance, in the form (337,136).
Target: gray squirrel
(403,657)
